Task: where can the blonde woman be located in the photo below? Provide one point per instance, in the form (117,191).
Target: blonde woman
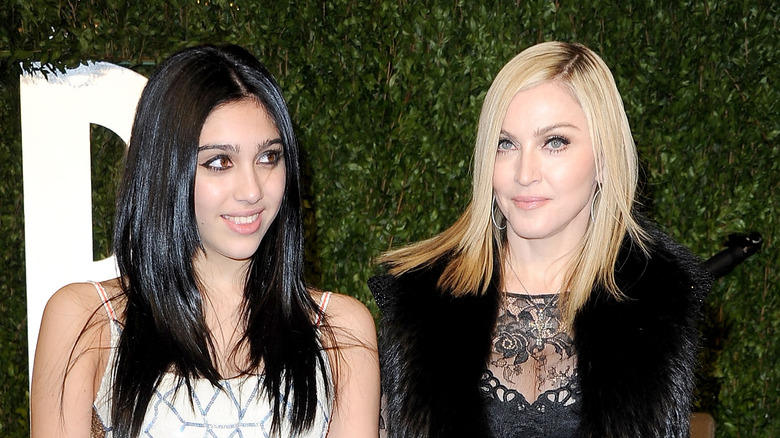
(549,308)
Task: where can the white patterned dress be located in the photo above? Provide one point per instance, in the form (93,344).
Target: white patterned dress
(237,410)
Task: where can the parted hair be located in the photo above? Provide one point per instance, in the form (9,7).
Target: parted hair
(471,244)
(156,238)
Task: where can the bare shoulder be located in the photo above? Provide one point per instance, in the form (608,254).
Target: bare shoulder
(356,367)
(75,327)
(70,357)
(340,303)
(76,313)
(79,302)
(73,300)
(345,311)
(348,317)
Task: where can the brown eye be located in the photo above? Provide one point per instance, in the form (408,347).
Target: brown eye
(270,157)
(218,163)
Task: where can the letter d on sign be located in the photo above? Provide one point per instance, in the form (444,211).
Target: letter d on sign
(57,110)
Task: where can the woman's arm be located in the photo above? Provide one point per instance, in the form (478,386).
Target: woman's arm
(70,340)
(356,410)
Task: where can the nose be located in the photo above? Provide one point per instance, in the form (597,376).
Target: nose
(249,187)
(528,168)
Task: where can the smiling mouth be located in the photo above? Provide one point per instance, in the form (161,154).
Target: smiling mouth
(241,220)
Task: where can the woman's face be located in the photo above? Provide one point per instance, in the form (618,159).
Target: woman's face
(545,172)
(240,179)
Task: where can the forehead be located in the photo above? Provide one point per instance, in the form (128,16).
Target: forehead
(544,104)
(238,119)
(236,107)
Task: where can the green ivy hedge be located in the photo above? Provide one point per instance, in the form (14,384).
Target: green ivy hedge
(386,96)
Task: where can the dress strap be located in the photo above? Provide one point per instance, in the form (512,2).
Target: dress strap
(324,300)
(104,298)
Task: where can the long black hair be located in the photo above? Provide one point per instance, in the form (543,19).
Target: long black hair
(156,238)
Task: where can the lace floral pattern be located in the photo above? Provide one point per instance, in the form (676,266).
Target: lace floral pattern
(532,359)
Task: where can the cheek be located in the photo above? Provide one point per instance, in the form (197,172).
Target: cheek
(275,187)
(578,178)
(502,175)
(206,199)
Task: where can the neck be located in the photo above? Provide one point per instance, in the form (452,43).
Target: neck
(220,273)
(535,267)
(221,282)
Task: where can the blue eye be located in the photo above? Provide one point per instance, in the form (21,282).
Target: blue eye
(556,143)
(505,145)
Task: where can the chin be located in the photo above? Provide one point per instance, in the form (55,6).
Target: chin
(532,236)
(243,253)
(536,233)
(530,230)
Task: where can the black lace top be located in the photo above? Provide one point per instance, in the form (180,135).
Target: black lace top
(532,359)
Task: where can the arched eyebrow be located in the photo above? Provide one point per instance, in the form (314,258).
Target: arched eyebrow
(507,135)
(235,148)
(221,147)
(544,130)
(270,142)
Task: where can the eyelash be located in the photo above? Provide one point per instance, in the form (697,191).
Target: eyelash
(224,160)
(503,142)
(226,163)
(563,140)
(277,154)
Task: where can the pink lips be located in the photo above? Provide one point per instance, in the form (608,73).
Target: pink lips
(529,202)
(244,223)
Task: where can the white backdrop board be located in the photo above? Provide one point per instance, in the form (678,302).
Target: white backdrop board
(57,110)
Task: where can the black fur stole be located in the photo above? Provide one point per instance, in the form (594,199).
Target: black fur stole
(636,357)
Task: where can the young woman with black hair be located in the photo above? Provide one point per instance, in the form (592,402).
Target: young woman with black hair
(210,329)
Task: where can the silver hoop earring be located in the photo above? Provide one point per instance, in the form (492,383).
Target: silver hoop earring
(493,215)
(593,202)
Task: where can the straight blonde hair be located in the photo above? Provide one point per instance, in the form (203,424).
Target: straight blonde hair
(471,244)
